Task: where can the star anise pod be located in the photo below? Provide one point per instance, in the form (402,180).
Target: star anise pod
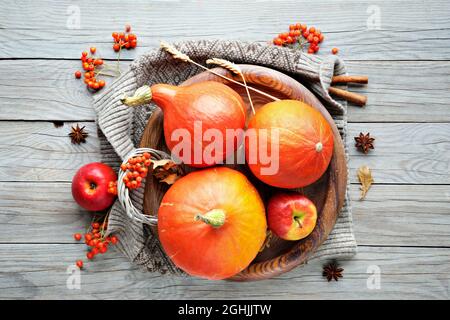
(332,271)
(364,142)
(78,135)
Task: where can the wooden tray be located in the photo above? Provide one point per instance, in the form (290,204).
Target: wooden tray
(327,193)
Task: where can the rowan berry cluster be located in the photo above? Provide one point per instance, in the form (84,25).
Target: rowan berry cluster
(112,187)
(90,65)
(300,33)
(136,169)
(97,242)
(125,39)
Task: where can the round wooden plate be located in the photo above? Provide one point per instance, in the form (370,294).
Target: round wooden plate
(327,193)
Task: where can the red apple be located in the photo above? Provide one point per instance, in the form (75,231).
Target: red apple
(291,216)
(90,186)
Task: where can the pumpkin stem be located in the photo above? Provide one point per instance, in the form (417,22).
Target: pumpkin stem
(319,146)
(142,95)
(214,217)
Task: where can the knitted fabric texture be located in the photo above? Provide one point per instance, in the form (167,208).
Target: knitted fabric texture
(121,127)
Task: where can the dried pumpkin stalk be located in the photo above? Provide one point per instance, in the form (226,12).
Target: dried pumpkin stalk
(177,54)
(366,180)
(235,69)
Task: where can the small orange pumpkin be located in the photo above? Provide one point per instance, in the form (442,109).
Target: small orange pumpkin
(305,143)
(212,223)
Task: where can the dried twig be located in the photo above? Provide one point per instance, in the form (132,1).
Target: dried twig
(183,57)
(235,69)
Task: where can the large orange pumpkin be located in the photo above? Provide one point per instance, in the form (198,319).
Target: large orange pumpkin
(305,143)
(193,116)
(212,223)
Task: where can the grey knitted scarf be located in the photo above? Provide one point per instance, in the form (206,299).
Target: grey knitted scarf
(121,128)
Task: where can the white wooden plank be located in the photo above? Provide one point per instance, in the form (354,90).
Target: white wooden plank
(39,271)
(27,95)
(402,91)
(415,153)
(39,151)
(402,215)
(405,31)
(391,215)
(40,213)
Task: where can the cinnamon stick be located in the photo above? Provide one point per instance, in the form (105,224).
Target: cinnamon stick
(352,79)
(355,98)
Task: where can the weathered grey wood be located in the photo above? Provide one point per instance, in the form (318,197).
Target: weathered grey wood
(407,29)
(416,153)
(31,212)
(402,91)
(393,96)
(403,208)
(39,151)
(400,215)
(39,271)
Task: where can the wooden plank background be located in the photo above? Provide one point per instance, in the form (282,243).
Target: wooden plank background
(402,227)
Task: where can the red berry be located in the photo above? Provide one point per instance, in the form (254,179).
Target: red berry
(312,30)
(114,239)
(284,35)
(310,50)
(116,47)
(96,225)
(78,74)
(123,166)
(334,50)
(95,86)
(88,237)
(305,34)
(303,27)
(79,264)
(147,155)
(84,53)
(127,28)
(316,39)
(94,251)
(77,236)
(93,49)
(103,249)
(101,83)
(310,38)
(321,37)
(90,255)
(298,26)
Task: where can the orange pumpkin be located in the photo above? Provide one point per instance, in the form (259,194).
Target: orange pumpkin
(193,112)
(305,143)
(212,223)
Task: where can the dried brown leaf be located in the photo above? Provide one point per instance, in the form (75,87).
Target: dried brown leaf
(366,180)
(171,178)
(165,171)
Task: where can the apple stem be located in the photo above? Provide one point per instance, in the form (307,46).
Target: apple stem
(298,220)
(214,217)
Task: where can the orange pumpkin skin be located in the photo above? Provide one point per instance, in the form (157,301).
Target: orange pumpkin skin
(213,104)
(203,250)
(305,143)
